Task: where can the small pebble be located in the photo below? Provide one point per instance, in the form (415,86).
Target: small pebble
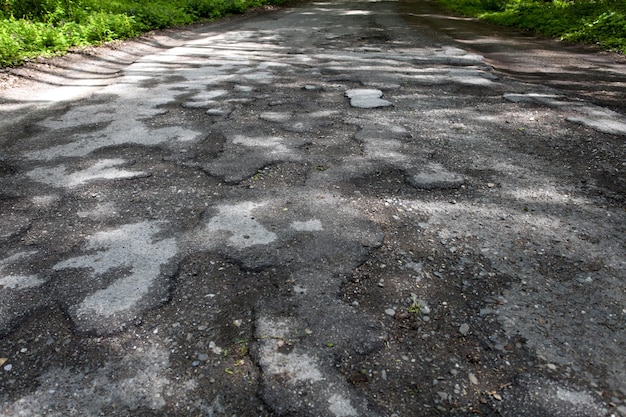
(472,378)
(464,329)
(8,367)
(390,312)
(214,348)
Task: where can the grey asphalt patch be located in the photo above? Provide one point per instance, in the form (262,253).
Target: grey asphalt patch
(289,372)
(261,232)
(144,386)
(318,237)
(244,155)
(11,225)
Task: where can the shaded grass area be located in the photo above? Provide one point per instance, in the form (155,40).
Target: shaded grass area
(31,28)
(601,22)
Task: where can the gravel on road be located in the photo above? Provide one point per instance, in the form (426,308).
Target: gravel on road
(321,210)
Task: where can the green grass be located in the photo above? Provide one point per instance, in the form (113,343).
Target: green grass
(31,28)
(601,22)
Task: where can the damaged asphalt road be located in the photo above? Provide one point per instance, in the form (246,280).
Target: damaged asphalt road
(316,211)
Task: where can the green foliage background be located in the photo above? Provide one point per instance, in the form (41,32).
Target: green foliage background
(30,28)
(602,22)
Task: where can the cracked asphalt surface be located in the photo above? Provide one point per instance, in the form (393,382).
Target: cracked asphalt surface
(324,210)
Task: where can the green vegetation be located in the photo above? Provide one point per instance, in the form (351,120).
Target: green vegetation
(30,28)
(602,22)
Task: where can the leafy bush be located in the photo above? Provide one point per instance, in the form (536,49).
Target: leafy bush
(29,28)
(600,21)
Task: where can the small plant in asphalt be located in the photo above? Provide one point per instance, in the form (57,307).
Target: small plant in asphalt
(416,306)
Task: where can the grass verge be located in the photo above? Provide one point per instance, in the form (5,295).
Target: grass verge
(31,28)
(601,22)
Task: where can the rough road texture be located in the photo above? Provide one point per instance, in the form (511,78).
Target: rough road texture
(320,211)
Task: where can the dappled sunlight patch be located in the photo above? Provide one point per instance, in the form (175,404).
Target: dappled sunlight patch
(434,176)
(596,117)
(17,281)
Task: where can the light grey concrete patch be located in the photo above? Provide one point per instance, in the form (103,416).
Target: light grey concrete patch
(101,170)
(46,201)
(19,282)
(367,98)
(293,367)
(243,88)
(219,111)
(314,225)
(435,176)
(131,247)
(238,222)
